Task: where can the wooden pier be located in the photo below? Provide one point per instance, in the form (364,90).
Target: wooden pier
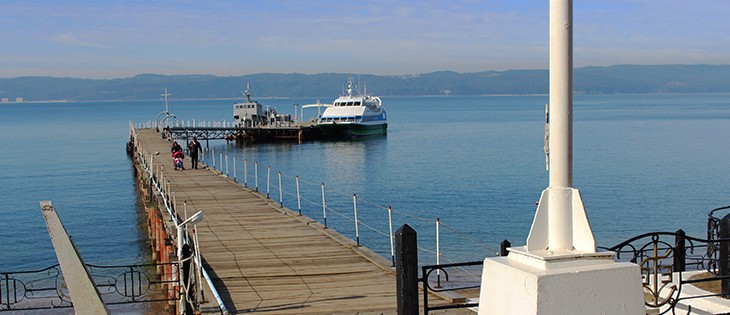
(265,258)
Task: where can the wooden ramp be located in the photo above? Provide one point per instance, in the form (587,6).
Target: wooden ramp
(263,258)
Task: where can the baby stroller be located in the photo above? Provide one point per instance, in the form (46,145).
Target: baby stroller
(177,160)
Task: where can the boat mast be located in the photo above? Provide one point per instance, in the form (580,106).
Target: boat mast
(248,93)
(166,95)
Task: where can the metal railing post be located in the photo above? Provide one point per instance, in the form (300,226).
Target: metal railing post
(245,172)
(438,253)
(324,208)
(268,180)
(299,197)
(281,192)
(390,229)
(234,168)
(256,174)
(357,231)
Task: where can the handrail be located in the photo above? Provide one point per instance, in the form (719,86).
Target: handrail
(168,207)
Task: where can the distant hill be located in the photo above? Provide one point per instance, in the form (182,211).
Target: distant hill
(587,80)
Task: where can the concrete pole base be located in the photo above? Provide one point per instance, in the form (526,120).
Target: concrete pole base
(549,283)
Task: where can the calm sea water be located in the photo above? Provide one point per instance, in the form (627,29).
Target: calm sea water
(642,163)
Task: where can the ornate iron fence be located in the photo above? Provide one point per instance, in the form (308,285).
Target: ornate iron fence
(714,230)
(664,258)
(122,284)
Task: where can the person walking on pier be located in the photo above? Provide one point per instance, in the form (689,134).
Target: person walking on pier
(193,149)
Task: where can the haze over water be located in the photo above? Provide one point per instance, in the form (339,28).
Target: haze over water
(642,163)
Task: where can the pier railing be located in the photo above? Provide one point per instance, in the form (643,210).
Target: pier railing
(335,208)
(160,186)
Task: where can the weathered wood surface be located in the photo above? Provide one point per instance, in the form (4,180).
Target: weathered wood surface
(267,259)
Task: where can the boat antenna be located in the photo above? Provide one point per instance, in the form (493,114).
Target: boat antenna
(248,92)
(349,86)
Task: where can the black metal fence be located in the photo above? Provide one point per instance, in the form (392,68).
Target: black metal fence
(664,259)
(121,284)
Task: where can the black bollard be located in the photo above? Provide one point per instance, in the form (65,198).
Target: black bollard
(406,270)
(503,248)
(680,251)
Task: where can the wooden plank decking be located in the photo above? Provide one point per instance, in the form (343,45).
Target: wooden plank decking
(263,258)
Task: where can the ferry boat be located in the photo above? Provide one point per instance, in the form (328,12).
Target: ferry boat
(354,115)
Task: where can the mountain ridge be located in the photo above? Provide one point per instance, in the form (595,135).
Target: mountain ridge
(617,79)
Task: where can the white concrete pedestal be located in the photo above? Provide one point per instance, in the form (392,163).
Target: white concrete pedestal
(549,283)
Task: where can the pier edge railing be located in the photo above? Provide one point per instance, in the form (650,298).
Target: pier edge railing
(156,185)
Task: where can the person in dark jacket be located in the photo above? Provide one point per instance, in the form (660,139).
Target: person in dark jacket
(175,147)
(193,149)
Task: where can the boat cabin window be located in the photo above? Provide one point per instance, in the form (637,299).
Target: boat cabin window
(357,103)
(349,103)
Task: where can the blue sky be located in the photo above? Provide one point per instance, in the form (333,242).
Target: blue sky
(112,39)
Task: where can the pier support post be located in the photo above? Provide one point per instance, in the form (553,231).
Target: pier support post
(406,270)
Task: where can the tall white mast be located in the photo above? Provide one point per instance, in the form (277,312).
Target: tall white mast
(166,95)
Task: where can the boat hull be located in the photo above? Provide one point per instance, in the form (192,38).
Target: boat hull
(352,130)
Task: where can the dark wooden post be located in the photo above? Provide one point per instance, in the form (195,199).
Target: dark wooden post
(406,270)
(724,253)
(503,248)
(679,251)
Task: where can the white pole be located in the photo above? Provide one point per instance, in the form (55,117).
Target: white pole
(227,173)
(179,263)
(198,261)
(268,180)
(561,223)
(234,168)
(220,161)
(299,200)
(256,174)
(390,227)
(245,172)
(438,254)
(357,231)
(281,193)
(185,214)
(212,156)
(324,208)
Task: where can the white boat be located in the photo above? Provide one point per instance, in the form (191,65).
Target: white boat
(354,115)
